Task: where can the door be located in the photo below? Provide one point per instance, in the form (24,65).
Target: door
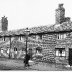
(70,56)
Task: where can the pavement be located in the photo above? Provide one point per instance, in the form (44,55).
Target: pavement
(15,64)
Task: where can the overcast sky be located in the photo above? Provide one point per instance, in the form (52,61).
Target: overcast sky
(32,13)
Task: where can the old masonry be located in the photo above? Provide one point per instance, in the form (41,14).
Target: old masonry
(52,43)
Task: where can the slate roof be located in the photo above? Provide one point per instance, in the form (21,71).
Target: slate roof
(65,26)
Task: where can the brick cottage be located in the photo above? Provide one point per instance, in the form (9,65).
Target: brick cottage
(53,43)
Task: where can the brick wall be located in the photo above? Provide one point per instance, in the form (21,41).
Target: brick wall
(64,43)
(49,43)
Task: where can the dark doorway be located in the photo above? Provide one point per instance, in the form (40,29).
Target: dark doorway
(70,56)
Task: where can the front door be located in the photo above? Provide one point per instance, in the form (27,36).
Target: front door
(70,56)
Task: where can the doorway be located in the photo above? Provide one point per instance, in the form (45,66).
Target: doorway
(70,57)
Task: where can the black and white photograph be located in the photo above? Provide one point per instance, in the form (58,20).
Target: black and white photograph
(35,35)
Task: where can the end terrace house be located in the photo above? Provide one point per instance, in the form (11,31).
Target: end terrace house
(55,40)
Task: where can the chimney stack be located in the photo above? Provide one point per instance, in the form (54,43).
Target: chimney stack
(60,14)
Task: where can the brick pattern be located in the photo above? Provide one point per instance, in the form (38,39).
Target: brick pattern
(49,43)
(64,43)
(4,23)
(60,14)
(19,44)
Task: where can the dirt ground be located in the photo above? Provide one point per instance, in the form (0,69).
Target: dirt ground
(14,64)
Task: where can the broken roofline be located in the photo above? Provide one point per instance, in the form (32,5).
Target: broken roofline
(64,27)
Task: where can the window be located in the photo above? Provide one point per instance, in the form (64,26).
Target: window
(39,49)
(23,49)
(61,36)
(8,51)
(1,50)
(33,36)
(4,38)
(60,52)
(38,37)
(15,49)
(20,37)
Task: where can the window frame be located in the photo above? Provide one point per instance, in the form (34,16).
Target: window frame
(63,49)
(15,49)
(61,36)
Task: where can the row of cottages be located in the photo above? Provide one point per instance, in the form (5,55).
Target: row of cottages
(15,44)
(52,43)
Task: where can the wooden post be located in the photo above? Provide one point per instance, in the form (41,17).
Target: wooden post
(27,33)
(26,43)
(10,48)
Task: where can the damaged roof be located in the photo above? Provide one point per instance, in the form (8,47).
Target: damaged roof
(65,26)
